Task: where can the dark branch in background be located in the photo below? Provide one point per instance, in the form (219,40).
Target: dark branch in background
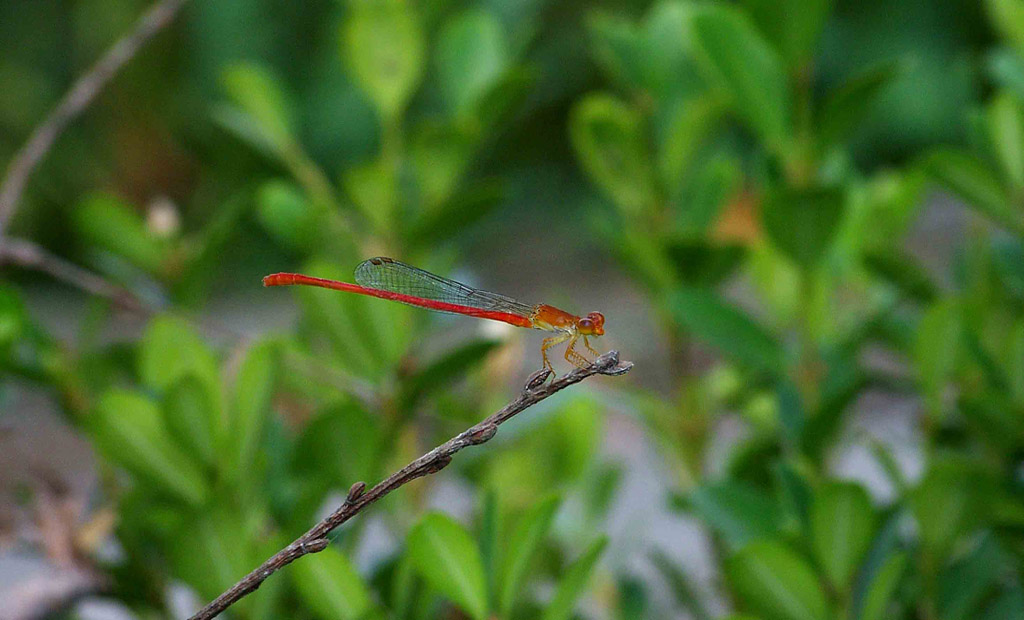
(315,539)
(76,100)
(25,253)
(38,597)
(32,256)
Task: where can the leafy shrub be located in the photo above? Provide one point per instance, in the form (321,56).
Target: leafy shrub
(755,168)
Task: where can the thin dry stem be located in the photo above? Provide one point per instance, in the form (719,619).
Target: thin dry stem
(315,539)
(30,255)
(76,100)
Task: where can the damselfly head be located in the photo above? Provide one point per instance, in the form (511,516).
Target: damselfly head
(592,324)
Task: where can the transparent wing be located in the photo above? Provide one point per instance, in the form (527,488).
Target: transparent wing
(387,274)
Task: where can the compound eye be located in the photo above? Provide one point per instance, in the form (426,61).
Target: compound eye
(596,317)
(586,324)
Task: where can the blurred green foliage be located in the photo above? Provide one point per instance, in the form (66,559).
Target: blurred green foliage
(755,168)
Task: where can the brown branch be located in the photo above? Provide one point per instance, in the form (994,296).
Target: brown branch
(32,256)
(29,255)
(315,539)
(76,100)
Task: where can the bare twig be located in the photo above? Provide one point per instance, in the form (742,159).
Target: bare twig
(76,100)
(315,539)
(32,256)
(24,253)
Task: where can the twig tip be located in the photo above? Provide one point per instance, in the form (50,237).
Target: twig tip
(609,364)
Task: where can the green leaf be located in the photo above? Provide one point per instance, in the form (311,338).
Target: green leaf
(789,410)
(882,588)
(803,223)
(449,367)
(1006,68)
(740,513)
(1008,264)
(523,545)
(373,187)
(574,581)
(791,488)
(747,69)
(679,583)
(1005,120)
(886,209)
(1013,363)
(262,99)
(1007,606)
(495,105)
(266,601)
(936,350)
(668,69)
(850,103)
(904,272)
(472,55)
(383,45)
(632,598)
(444,553)
(600,489)
(688,128)
(619,47)
(776,583)
(368,335)
(13,317)
(457,214)
(406,588)
(643,260)
(129,430)
(610,142)
(254,387)
(842,526)
(793,26)
(113,226)
(204,249)
(438,156)
(330,587)
(556,453)
(949,502)
(212,549)
(170,350)
(975,183)
(340,444)
(192,417)
(490,553)
(725,327)
(966,584)
(1007,16)
(288,215)
(698,205)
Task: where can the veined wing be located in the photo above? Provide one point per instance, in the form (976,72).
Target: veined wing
(387,274)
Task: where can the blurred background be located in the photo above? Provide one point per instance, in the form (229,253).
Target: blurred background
(803,220)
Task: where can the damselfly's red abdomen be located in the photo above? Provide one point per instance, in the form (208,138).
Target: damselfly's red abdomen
(387,278)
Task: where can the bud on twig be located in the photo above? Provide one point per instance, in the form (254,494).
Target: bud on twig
(355,492)
(482,434)
(537,379)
